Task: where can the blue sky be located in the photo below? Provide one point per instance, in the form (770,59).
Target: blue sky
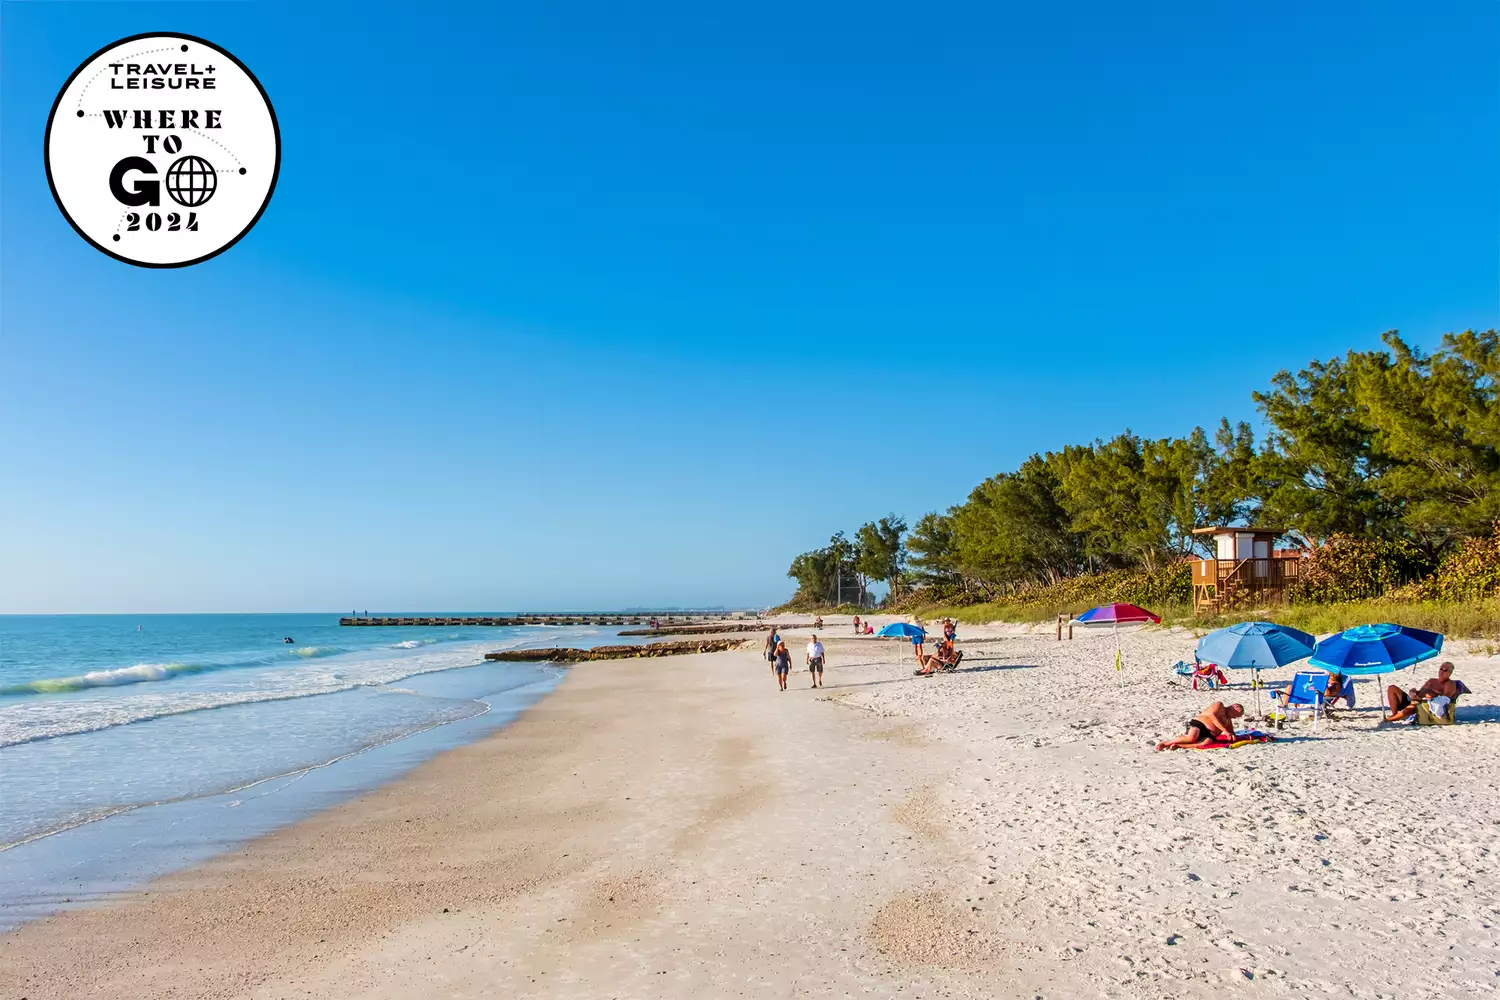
(590,304)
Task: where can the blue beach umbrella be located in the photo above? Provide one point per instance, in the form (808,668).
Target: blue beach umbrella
(1376,649)
(1255,646)
(901,630)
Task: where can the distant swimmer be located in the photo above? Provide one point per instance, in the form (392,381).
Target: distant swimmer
(288,639)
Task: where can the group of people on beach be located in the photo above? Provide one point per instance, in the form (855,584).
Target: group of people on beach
(946,657)
(1215,723)
(781,659)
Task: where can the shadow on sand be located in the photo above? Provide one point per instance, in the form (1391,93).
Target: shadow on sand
(917,677)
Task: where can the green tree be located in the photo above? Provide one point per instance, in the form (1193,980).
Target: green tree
(814,573)
(1106,492)
(1436,424)
(1391,451)
(1230,489)
(1014,530)
(931,551)
(879,552)
(1320,470)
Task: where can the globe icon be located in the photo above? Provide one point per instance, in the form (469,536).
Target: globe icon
(191,181)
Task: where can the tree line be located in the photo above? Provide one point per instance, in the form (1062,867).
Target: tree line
(1390,444)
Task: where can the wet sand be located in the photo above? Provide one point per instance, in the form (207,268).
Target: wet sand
(654,828)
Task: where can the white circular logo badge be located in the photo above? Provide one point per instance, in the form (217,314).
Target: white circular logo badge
(162,150)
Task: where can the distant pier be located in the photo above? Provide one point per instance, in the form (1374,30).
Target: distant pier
(665,618)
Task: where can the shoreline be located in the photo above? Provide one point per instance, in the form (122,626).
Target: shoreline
(198,777)
(679,828)
(596,805)
(104,856)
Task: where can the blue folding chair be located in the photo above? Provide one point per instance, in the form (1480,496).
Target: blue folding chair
(1307,693)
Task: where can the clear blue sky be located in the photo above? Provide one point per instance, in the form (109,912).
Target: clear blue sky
(595,304)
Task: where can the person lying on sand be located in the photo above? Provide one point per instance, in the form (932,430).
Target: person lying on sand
(1403,704)
(1213,722)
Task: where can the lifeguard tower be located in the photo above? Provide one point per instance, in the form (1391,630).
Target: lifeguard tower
(1247,569)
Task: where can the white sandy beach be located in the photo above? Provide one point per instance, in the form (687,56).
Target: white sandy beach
(679,828)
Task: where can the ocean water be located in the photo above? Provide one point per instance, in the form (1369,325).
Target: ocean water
(132,745)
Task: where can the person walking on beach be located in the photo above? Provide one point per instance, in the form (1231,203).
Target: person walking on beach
(781,664)
(815,661)
(771,641)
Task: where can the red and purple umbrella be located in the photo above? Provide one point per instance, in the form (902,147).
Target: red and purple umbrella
(1117,614)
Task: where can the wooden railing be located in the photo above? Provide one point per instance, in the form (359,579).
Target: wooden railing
(1223,583)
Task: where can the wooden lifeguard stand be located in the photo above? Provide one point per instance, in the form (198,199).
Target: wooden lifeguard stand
(1247,569)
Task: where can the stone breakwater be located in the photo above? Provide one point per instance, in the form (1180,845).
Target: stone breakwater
(559,654)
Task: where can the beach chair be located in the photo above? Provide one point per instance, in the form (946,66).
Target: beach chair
(958,658)
(1448,716)
(1209,675)
(1306,695)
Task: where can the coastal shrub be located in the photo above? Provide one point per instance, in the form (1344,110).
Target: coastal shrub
(1455,619)
(1468,573)
(1168,587)
(1346,568)
(1172,584)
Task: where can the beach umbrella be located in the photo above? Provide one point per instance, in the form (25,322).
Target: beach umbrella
(1115,615)
(1255,646)
(901,630)
(1376,649)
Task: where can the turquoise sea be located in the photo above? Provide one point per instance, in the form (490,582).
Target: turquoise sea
(132,745)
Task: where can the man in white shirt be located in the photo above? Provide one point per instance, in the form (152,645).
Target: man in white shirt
(815,661)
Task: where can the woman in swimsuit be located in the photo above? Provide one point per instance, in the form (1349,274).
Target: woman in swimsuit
(781,665)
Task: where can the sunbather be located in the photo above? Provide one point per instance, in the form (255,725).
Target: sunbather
(1403,704)
(1213,723)
(927,664)
(944,658)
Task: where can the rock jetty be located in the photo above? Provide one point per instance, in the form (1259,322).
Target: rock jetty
(559,654)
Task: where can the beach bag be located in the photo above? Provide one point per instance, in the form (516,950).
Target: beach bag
(1427,717)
